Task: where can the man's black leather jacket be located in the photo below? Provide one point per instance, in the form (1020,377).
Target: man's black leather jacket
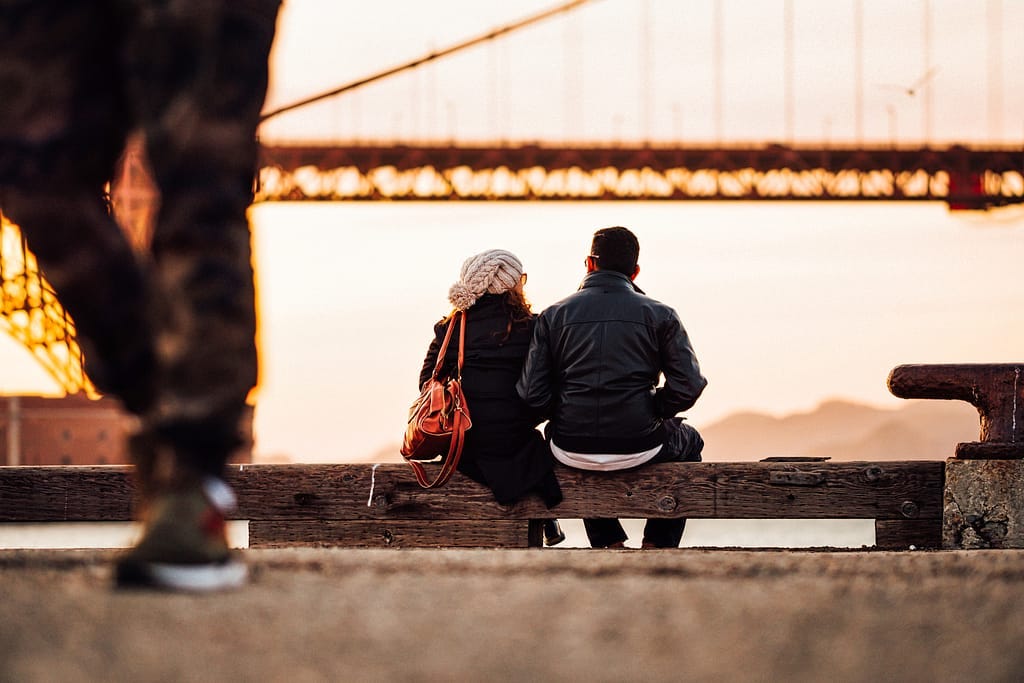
(594,365)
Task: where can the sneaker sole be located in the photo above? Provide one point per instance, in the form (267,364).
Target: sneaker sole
(200,578)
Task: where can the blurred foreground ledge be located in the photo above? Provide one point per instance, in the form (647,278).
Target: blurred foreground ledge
(471,615)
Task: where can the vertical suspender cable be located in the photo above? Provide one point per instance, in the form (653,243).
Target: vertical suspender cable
(926,106)
(496,90)
(995,70)
(431,101)
(504,88)
(572,84)
(717,57)
(415,104)
(858,70)
(788,69)
(646,68)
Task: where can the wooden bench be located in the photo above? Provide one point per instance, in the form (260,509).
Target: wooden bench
(362,505)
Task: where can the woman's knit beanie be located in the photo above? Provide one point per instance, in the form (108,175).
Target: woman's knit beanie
(495,271)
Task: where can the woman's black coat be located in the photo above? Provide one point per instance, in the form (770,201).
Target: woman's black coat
(503,450)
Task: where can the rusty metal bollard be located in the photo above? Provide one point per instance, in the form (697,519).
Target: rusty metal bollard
(995,389)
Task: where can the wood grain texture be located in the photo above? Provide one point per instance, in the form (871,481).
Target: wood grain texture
(891,490)
(753,490)
(894,534)
(883,490)
(66,494)
(447,533)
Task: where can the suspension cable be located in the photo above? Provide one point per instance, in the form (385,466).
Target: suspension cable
(522,23)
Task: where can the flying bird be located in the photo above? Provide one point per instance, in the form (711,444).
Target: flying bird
(915,87)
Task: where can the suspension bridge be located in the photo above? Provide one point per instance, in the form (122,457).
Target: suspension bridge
(964,178)
(658,159)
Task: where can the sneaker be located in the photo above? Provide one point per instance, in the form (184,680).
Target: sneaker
(184,545)
(553,534)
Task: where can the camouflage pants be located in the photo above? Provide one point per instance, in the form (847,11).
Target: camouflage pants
(172,331)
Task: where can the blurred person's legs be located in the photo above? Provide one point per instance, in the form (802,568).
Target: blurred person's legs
(199,111)
(604,532)
(172,335)
(63,122)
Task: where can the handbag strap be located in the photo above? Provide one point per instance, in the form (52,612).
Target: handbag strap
(458,433)
(442,352)
(450,463)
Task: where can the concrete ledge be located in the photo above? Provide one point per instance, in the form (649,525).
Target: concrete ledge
(983,504)
(526,615)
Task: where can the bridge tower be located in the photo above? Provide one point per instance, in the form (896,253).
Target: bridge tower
(31,313)
(29,308)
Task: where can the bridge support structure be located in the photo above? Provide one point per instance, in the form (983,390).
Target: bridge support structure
(29,308)
(31,313)
(963,178)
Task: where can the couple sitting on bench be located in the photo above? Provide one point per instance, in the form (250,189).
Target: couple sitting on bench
(589,365)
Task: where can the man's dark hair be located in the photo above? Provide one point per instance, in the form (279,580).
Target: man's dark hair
(615,249)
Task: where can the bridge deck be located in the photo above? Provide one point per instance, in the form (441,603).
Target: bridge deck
(967,178)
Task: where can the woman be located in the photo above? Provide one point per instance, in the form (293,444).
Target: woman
(504,451)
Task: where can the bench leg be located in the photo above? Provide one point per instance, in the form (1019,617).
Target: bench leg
(535,534)
(900,534)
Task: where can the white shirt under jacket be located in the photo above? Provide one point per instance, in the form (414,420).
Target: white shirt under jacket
(603,462)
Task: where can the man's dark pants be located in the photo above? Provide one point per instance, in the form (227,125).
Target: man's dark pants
(682,444)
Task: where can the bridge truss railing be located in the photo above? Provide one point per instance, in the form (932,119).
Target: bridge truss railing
(964,178)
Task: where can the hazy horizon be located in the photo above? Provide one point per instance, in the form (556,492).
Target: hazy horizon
(787,304)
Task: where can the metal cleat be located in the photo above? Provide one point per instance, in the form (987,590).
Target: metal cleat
(995,389)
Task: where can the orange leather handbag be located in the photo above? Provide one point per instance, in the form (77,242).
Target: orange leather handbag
(439,418)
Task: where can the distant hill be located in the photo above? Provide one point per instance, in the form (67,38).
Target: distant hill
(838,429)
(842,430)
(389,453)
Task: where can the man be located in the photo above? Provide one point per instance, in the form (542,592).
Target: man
(171,332)
(593,368)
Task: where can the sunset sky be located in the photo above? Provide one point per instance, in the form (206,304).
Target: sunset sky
(631,69)
(787,304)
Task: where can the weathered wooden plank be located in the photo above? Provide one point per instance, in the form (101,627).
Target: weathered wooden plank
(867,490)
(896,534)
(390,491)
(891,490)
(448,533)
(66,494)
(851,490)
